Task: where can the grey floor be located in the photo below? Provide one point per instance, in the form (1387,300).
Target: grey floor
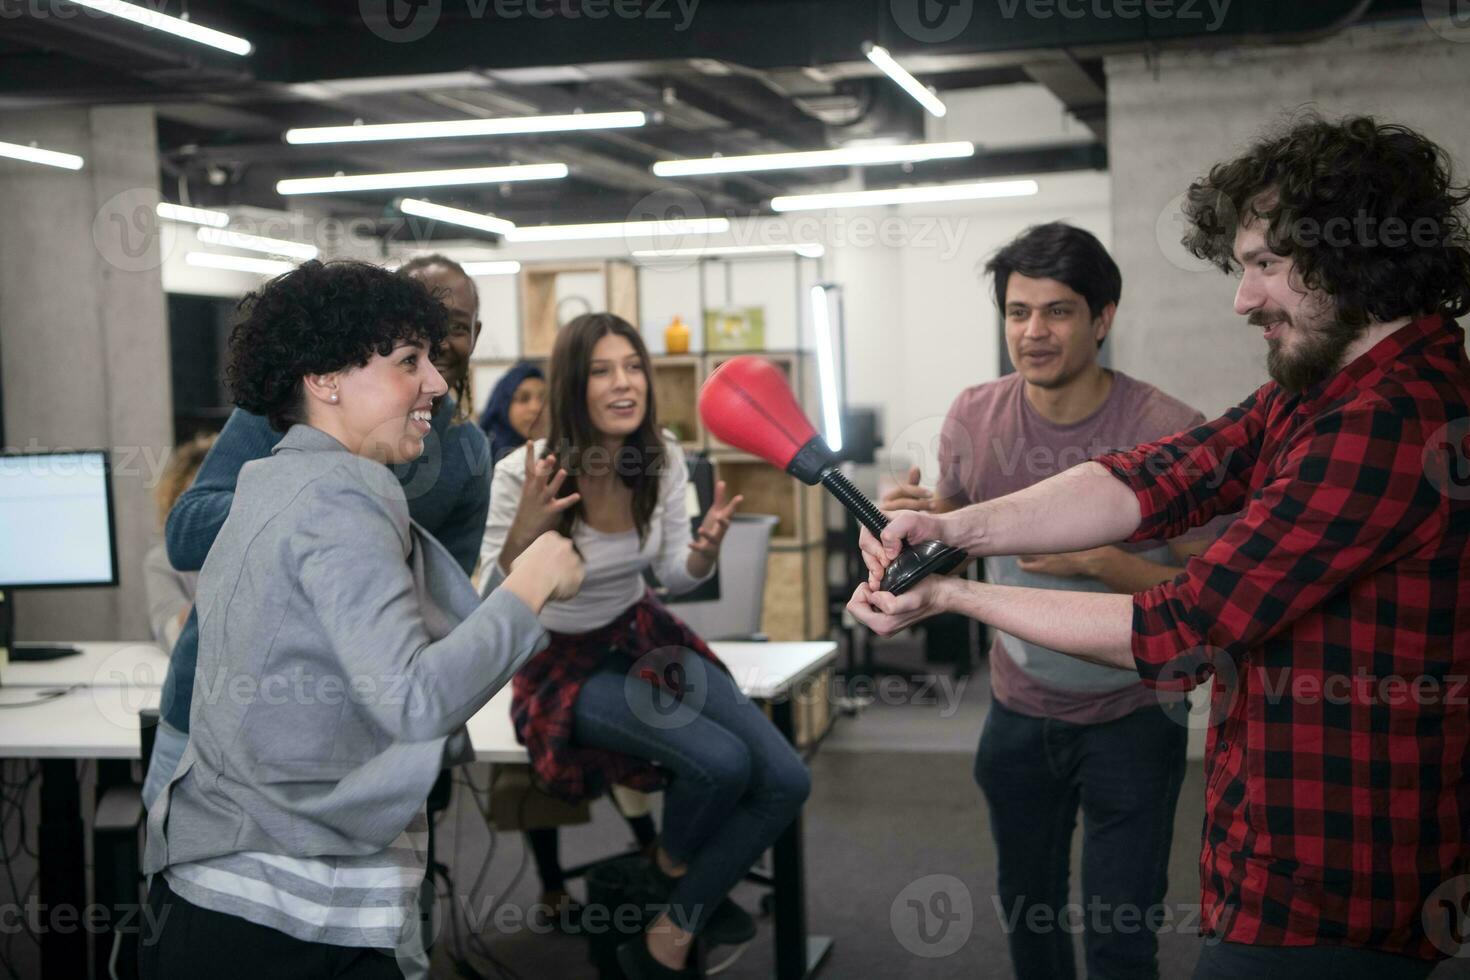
(894,816)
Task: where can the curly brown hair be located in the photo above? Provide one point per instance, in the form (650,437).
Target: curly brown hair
(319,318)
(1368,212)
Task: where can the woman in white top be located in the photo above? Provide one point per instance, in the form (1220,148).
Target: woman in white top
(626,693)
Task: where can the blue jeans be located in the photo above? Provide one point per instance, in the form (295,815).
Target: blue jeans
(736,782)
(1226,961)
(1125,776)
(168,748)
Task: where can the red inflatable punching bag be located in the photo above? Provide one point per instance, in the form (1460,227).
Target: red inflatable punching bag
(747,403)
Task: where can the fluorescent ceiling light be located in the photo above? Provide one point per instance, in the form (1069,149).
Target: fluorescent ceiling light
(194,216)
(255,243)
(906,195)
(810,250)
(177,26)
(880,57)
(421,178)
(507,268)
(238,263)
(467,127)
(848,156)
(33,154)
(456,216)
(824,299)
(618,229)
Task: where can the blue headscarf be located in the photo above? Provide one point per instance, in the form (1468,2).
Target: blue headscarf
(495,420)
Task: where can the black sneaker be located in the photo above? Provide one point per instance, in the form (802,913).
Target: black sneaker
(729,925)
(638,963)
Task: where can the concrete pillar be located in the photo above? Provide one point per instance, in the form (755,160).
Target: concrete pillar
(1172,116)
(84,335)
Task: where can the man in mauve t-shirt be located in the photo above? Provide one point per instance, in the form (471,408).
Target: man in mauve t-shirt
(1063,733)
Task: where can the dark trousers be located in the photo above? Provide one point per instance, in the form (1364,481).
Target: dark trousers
(737,783)
(191,943)
(1227,961)
(1124,775)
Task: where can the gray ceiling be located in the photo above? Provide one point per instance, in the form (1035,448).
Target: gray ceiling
(715,76)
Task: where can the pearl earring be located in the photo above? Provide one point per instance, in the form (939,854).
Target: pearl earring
(334,396)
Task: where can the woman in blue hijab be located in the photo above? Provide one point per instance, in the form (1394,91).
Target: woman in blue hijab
(514,409)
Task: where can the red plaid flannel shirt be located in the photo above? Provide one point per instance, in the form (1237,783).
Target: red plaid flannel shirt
(1335,614)
(545,693)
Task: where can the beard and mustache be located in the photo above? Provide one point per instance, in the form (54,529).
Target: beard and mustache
(1317,353)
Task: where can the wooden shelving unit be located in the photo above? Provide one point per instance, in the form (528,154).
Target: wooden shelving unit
(796,593)
(676,381)
(539,302)
(768,490)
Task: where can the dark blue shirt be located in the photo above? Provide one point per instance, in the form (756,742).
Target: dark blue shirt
(448,491)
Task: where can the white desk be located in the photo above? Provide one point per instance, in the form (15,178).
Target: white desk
(109,683)
(96,717)
(762,671)
(84,723)
(135,664)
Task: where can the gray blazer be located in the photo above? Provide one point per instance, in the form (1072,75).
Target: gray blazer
(339,647)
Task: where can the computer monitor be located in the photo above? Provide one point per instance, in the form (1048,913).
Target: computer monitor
(56,520)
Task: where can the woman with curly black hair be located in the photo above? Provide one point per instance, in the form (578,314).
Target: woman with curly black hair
(341,649)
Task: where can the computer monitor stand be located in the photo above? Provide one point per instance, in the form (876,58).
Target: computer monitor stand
(26,652)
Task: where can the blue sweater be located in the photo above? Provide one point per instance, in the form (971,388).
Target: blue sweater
(448,491)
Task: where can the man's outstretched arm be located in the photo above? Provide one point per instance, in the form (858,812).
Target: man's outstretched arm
(1094,626)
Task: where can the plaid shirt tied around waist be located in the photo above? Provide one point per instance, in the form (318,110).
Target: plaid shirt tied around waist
(647,637)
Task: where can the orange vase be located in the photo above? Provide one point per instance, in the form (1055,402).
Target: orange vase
(676,337)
